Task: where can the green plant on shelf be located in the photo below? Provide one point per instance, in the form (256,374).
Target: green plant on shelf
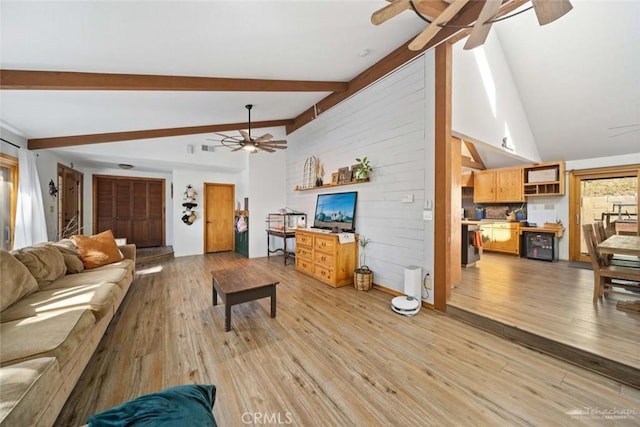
(363,169)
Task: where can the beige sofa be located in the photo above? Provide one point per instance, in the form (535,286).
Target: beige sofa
(53,315)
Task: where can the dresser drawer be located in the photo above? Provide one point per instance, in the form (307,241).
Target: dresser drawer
(304,239)
(326,260)
(325,244)
(304,265)
(323,273)
(304,253)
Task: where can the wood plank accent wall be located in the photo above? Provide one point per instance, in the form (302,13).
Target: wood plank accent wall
(387,123)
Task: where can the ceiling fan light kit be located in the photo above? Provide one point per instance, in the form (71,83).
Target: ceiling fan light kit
(546,11)
(247,143)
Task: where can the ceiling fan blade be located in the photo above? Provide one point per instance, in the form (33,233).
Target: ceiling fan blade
(264,137)
(261,147)
(481,27)
(548,11)
(245,135)
(228,137)
(432,29)
(277,141)
(389,11)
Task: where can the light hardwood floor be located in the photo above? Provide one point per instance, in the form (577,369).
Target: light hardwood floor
(331,357)
(551,300)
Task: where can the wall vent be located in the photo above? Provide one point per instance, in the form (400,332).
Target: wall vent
(209,148)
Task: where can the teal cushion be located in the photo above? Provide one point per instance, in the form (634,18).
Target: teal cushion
(175,406)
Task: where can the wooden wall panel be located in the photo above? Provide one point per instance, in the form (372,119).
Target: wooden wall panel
(385,122)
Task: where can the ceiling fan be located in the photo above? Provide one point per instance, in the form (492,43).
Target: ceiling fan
(246,142)
(440,13)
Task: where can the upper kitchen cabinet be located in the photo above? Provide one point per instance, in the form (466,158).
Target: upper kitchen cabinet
(498,185)
(544,179)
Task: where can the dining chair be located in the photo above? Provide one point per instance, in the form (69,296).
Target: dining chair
(603,275)
(601,236)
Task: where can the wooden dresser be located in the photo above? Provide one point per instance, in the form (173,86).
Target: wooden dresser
(322,256)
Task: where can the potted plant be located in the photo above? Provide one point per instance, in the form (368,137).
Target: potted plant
(363,276)
(363,169)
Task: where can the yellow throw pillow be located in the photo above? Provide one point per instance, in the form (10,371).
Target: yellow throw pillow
(98,250)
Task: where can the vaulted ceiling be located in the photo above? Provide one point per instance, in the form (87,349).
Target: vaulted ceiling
(576,79)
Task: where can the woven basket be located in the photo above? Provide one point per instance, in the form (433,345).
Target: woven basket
(362,278)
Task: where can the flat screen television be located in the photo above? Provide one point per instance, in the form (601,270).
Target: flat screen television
(336,210)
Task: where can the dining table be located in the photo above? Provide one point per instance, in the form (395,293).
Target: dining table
(619,244)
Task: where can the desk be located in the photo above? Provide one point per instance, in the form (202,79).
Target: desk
(621,245)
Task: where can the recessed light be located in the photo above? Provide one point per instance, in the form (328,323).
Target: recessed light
(125,166)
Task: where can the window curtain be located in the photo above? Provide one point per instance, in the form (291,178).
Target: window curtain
(31,226)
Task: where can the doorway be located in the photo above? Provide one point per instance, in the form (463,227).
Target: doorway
(219,235)
(605,194)
(70,218)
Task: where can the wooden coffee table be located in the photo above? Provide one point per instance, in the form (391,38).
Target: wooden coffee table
(242,284)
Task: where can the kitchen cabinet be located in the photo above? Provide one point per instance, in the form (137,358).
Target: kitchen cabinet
(501,237)
(323,257)
(498,185)
(484,185)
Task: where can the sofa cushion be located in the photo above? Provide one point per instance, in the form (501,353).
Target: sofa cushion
(97,250)
(53,334)
(126,264)
(70,253)
(99,298)
(15,280)
(44,262)
(93,277)
(25,386)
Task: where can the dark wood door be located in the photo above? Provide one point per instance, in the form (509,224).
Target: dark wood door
(133,208)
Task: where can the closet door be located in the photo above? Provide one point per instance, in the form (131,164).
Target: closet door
(133,208)
(104,194)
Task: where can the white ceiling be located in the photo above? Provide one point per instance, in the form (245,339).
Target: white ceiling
(576,77)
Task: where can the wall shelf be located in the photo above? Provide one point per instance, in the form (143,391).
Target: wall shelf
(321,187)
(544,179)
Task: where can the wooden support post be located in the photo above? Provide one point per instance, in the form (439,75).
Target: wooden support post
(443,178)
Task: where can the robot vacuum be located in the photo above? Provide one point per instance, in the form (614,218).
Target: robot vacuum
(405,305)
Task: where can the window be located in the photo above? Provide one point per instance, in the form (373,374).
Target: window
(8,199)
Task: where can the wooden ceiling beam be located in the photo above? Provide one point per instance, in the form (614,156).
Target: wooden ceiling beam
(395,59)
(468,162)
(97,138)
(63,80)
(474,155)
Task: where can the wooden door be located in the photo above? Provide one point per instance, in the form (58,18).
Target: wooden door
(219,216)
(592,194)
(133,208)
(509,183)
(70,217)
(484,183)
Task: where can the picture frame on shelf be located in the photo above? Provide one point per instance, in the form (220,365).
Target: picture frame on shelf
(342,175)
(354,168)
(334,178)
